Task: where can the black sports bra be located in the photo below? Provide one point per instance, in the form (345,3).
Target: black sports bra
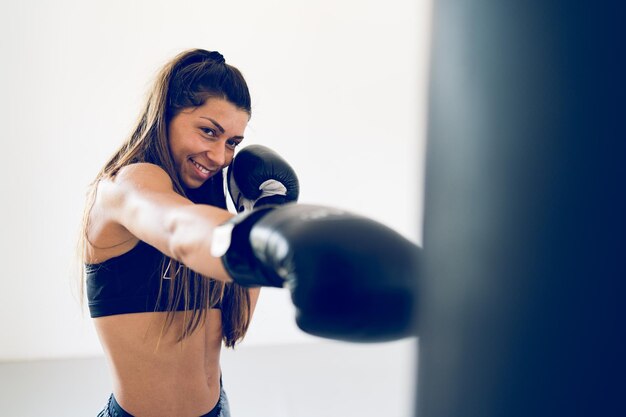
(130,283)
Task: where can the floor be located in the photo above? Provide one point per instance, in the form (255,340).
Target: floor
(302,380)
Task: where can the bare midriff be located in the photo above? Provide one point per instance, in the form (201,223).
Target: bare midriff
(156,375)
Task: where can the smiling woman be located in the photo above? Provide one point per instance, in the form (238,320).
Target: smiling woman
(197,139)
(161,322)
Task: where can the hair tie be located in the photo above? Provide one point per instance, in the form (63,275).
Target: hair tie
(217,57)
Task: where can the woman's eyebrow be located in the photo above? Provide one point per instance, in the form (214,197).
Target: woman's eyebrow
(221,129)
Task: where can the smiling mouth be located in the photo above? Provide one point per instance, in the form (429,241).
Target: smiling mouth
(200,167)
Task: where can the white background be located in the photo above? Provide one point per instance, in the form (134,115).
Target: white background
(338,88)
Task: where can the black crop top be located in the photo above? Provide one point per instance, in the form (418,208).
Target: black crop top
(129,283)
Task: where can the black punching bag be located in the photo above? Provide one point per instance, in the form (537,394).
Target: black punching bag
(522,297)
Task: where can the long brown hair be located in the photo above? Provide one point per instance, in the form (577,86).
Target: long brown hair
(186,81)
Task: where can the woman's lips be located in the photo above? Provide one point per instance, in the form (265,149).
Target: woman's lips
(201,170)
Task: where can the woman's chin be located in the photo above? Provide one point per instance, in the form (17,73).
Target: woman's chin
(190,182)
(193,185)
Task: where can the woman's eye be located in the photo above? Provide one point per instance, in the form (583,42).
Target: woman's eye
(208,131)
(232,144)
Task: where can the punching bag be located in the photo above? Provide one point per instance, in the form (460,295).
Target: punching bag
(522,295)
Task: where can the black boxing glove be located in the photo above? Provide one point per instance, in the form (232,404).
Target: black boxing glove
(259,176)
(231,243)
(350,277)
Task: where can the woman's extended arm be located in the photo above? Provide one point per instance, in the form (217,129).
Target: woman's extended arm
(141,199)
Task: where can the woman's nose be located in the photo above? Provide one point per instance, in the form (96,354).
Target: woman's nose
(217,154)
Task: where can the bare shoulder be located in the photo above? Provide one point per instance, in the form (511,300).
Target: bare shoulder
(108,235)
(130,182)
(139,175)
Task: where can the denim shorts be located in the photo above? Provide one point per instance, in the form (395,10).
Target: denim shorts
(221,409)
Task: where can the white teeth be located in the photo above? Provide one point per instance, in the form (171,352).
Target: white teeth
(200,167)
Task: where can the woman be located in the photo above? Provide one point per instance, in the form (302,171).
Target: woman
(162,305)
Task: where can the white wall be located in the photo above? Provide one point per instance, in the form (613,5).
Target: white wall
(338,89)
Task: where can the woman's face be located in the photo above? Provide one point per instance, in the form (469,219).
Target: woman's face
(203,139)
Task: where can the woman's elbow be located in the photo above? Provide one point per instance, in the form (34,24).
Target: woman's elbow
(179,241)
